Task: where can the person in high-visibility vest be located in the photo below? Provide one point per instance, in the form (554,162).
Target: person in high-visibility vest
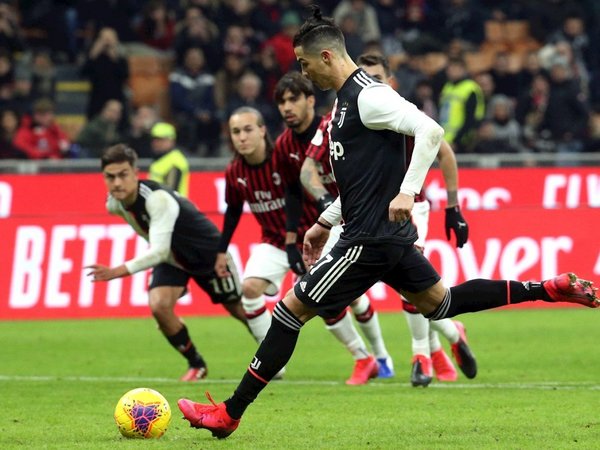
(462,106)
(170,166)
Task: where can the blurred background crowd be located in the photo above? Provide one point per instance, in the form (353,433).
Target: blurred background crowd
(512,76)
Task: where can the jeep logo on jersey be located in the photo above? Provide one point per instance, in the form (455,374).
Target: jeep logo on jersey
(336,150)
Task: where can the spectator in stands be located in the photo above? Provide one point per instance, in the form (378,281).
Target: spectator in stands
(139,136)
(102,131)
(423,98)
(505,81)
(249,94)
(157,27)
(419,28)
(94,15)
(462,106)
(227,79)
(530,111)
(43,77)
(267,69)
(267,16)
(170,166)
(192,91)
(108,72)
(355,45)
(487,85)
(9,124)
(281,42)
(487,142)
(10,34)
(196,30)
(506,127)
(463,20)
(408,74)
(566,116)
(39,135)
(364,15)
(574,31)
(531,68)
(236,41)
(7,79)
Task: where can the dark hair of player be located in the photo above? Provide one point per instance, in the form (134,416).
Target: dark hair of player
(117,154)
(374,59)
(318,32)
(294,82)
(260,121)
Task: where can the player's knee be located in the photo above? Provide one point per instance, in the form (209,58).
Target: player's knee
(252,289)
(160,306)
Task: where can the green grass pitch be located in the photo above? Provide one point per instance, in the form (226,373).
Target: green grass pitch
(537,386)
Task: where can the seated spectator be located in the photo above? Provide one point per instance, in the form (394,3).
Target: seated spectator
(227,79)
(10,34)
(9,123)
(566,116)
(108,72)
(505,82)
(43,77)
(364,15)
(423,98)
(139,137)
(102,131)
(195,30)
(531,107)
(487,142)
(249,94)
(193,104)
(281,42)
(506,127)
(39,135)
(157,28)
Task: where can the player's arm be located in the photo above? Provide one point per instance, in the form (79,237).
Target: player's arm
(233,214)
(163,211)
(293,211)
(316,237)
(311,181)
(382,108)
(454,220)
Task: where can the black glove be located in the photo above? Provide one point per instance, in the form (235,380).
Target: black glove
(455,221)
(295,259)
(324,202)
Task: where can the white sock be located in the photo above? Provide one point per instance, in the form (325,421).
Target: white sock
(447,328)
(370,328)
(434,340)
(258,324)
(419,331)
(345,332)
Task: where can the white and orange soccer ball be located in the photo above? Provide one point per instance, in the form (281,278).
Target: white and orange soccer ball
(143,413)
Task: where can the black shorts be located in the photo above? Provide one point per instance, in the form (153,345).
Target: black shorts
(220,290)
(350,269)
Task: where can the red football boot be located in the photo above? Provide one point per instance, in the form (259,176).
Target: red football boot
(212,417)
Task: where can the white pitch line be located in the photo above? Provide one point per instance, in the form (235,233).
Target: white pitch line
(542,385)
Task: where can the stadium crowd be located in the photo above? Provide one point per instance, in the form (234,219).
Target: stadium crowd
(505,76)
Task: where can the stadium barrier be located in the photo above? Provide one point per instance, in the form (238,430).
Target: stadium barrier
(525,223)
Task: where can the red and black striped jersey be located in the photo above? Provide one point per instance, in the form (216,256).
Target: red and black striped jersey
(318,150)
(292,148)
(263,187)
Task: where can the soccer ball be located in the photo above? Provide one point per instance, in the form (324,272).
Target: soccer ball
(143,413)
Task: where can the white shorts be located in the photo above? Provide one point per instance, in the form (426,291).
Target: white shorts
(269,263)
(420,217)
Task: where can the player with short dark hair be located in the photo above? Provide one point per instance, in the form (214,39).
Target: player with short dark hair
(376,198)
(183,245)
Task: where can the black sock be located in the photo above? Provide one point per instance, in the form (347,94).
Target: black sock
(184,345)
(272,355)
(478,295)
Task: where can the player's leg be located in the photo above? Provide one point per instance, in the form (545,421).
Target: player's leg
(455,333)
(368,321)
(272,355)
(420,373)
(167,286)
(416,279)
(346,333)
(346,272)
(264,274)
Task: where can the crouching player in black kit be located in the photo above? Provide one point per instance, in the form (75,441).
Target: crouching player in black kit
(376,199)
(183,245)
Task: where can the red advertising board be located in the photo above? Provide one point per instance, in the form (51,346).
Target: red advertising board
(528,223)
